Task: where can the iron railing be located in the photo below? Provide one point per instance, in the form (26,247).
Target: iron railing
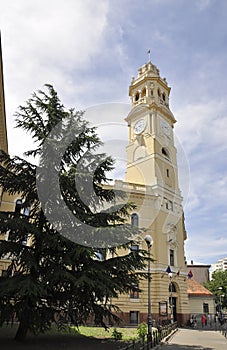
(223,329)
(157,335)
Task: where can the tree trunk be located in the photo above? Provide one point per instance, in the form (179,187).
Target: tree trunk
(22,331)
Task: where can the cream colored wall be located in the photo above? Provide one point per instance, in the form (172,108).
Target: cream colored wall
(196,304)
(8,202)
(154,217)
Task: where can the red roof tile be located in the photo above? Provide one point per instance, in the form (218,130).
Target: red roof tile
(196,289)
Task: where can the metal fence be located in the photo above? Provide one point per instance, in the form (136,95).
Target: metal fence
(223,329)
(157,335)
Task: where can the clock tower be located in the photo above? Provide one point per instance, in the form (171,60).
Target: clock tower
(151,154)
(152,181)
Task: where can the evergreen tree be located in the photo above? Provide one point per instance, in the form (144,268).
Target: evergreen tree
(73,224)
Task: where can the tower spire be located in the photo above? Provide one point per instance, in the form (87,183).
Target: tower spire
(3,132)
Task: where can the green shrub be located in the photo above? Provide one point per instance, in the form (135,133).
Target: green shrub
(117,335)
(142,330)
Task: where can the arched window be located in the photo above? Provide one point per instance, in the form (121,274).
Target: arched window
(134,220)
(163,96)
(172,288)
(159,93)
(134,292)
(137,96)
(18,206)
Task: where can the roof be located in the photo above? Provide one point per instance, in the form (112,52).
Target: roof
(198,265)
(194,288)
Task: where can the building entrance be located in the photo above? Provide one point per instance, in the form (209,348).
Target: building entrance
(174,307)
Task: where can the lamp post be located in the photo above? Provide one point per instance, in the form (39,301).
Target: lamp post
(171,297)
(149,240)
(220,301)
(220,308)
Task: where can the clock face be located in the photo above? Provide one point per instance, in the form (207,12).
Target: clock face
(139,126)
(165,127)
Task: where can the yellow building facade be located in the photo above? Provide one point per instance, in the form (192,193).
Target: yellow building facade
(152,181)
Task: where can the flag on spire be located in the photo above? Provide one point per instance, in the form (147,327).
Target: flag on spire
(149,54)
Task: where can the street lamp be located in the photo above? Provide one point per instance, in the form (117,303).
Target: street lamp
(220,308)
(220,301)
(171,297)
(149,240)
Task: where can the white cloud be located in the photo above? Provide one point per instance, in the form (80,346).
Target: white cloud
(43,42)
(203,124)
(205,250)
(202,4)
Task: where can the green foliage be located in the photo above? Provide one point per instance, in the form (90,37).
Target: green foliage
(55,279)
(142,330)
(218,286)
(117,335)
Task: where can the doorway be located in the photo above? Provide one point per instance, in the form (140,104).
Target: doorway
(174,306)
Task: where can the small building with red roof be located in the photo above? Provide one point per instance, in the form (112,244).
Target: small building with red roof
(201,300)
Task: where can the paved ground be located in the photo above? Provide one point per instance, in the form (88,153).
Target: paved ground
(196,339)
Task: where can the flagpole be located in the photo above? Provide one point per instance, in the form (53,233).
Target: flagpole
(171,297)
(149,240)
(149,55)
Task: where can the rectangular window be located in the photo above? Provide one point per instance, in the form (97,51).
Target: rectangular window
(134,292)
(205,308)
(171,257)
(134,247)
(134,317)
(169,205)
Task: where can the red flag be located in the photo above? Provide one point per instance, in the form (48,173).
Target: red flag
(190,274)
(178,272)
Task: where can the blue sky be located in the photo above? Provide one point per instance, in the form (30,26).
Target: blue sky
(89,50)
